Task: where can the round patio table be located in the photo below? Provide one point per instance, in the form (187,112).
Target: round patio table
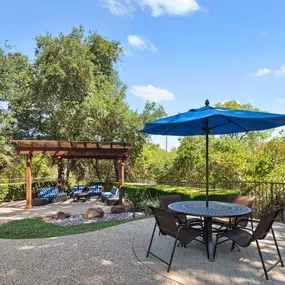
(215,209)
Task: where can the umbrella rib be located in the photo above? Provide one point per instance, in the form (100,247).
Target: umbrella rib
(232,121)
(194,125)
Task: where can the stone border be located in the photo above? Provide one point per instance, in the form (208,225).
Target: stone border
(140,249)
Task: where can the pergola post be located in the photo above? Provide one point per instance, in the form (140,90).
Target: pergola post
(60,174)
(28,182)
(122,179)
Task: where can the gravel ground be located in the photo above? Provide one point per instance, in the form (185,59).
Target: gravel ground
(100,257)
(79,219)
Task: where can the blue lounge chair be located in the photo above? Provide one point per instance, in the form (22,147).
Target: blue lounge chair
(76,189)
(113,194)
(95,190)
(52,194)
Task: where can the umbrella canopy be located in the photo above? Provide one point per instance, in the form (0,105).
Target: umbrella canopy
(209,120)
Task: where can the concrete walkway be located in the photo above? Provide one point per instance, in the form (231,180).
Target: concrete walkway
(191,266)
(117,255)
(102,257)
(16,210)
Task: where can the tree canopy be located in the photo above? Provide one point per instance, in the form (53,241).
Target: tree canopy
(71,90)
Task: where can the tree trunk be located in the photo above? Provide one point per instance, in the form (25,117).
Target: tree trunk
(67,177)
(116,169)
(98,170)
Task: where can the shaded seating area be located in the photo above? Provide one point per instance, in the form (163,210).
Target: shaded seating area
(116,151)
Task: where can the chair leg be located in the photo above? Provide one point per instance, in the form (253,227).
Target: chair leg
(233,246)
(215,247)
(261,259)
(277,248)
(171,257)
(151,240)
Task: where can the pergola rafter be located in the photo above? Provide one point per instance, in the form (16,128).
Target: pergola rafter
(118,151)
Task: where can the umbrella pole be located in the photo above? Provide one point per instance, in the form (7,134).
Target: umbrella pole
(207,169)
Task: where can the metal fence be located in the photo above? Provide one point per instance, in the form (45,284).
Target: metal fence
(268,195)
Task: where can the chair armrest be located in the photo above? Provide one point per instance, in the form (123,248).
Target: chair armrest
(242,220)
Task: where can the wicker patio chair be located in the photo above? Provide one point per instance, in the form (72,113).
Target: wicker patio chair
(167,226)
(242,220)
(165,200)
(244,236)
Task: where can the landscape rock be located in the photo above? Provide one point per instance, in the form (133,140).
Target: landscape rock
(118,209)
(94,213)
(62,215)
(129,206)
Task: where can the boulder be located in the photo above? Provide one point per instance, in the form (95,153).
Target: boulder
(128,205)
(94,213)
(62,215)
(118,209)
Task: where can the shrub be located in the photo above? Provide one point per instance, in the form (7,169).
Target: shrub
(17,191)
(4,188)
(139,193)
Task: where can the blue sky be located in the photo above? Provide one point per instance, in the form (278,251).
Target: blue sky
(177,52)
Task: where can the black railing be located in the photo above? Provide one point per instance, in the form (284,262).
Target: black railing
(268,195)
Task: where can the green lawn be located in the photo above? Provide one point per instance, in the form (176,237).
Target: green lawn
(38,228)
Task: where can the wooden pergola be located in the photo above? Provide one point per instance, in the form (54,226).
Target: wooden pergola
(118,151)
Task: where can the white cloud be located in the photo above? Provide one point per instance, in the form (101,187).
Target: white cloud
(152,93)
(169,7)
(137,42)
(261,72)
(280,72)
(156,7)
(119,7)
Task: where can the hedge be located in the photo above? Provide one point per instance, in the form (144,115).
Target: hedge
(17,191)
(138,192)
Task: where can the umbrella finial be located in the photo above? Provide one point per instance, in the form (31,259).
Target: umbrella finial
(207,102)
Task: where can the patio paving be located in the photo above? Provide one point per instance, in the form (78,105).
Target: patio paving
(191,266)
(16,210)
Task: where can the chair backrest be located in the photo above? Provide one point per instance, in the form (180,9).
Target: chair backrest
(245,201)
(265,224)
(165,221)
(115,191)
(165,200)
(95,188)
(48,191)
(78,188)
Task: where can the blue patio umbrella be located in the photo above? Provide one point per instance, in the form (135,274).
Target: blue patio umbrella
(213,121)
